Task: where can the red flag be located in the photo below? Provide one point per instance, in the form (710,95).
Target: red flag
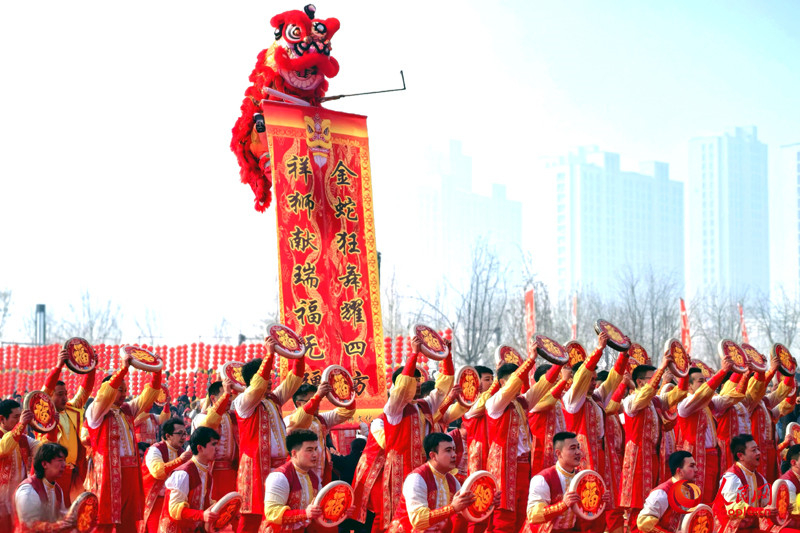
(686,338)
(745,338)
(575,316)
(530,321)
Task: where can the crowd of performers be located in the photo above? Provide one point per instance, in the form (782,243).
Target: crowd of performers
(642,430)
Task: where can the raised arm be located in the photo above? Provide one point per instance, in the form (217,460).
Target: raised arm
(217,410)
(607,387)
(479,408)
(498,402)
(107,394)
(582,380)
(705,393)
(543,386)
(145,400)
(641,398)
(259,384)
(404,388)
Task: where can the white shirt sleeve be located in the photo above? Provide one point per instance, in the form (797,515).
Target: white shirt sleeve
(276,489)
(153,457)
(656,504)
(732,486)
(243,410)
(29,507)
(415,492)
(539,492)
(178,484)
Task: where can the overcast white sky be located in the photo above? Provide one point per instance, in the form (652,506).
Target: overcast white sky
(115,118)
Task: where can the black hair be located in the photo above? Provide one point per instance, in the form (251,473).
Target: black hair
(142,446)
(577,366)
(785,467)
(304,389)
(739,444)
(506,370)
(6,406)
(561,436)
(399,371)
(640,371)
(426,387)
(46,453)
(107,378)
(295,439)
(357,446)
(793,454)
(59,382)
(693,370)
(483,370)
(602,375)
(215,388)
(201,437)
(168,427)
(431,442)
(249,370)
(541,371)
(676,460)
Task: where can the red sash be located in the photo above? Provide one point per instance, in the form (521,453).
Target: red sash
(639,471)
(255,459)
(401,514)
(692,438)
(502,459)
(478,438)
(152,486)
(368,470)
(543,427)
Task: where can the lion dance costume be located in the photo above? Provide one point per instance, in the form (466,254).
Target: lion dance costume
(297,64)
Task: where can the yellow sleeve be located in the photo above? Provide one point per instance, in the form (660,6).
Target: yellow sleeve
(163,416)
(273,513)
(287,387)
(380,437)
(536,513)
(300,419)
(213,417)
(420,519)
(145,400)
(79,400)
(539,390)
(175,510)
(785,407)
(545,404)
(646,523)
(158,470)
(780,393)
(454,412)
(480,405)
(611,383)
(756,389)
(613,408)
(9,443)
(444,383)
(581,382)
(510,390)
(104,399)
(796,506)
(675,396)
(642,397)
(700,399)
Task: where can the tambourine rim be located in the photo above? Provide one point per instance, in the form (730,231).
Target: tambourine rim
(35,424)
(79,501)
(576,508)
(774,501)
(547,356)
(223,502)
(324,491)
(139,365)
(688,517)
(335,400)
(789,428)
(223,372)
(479,474)
(457,380)
(283,351)
(166,392)
(755,367)
(580,346)
(722,354)
(673,367)
(498,358)
(74,367)
(598,328)
(781,367)
(646,355)
(426,350)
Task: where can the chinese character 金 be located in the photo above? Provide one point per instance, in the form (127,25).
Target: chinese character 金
(345,208)
(355,348)
(312,345)
(299,201)
(351,278)
(352,311)
(343,174)
(298,165)
(347,243)
(306,274)
(302,239)
(307,312)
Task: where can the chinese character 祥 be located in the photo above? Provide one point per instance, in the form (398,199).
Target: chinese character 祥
(355,348)
(302,239)
(299,201)
(345,208)
(312,344)
(351,278)
(307,312)
(352,311)
(347,243)
(298,165)
(343,174)
(305,274)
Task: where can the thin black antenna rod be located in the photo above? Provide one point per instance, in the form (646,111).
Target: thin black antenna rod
(327,98)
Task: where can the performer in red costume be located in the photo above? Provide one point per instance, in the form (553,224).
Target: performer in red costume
(368,479)
(219,417)
(70,420)
(763,418)
(546,419)
(408,419)
(615,450)
(262,434)
(160,461)
(509,457)
(642,434)
(744,494)
(39,500)
(117,480)
(657,514)
(146,424)
(696,428)
(16,450)
(793,477)
(734,419)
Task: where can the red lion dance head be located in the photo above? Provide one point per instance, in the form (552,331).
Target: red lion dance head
(297,63)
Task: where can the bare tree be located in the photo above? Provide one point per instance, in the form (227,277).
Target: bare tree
(94,321)
(149,329)
(713,316)
(777,320)
(5,303)
(393,321)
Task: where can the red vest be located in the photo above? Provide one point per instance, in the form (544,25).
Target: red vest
(255,461)
(368,471)
(502,461)
(147,430)
(198,501)
(38,486)
(692,438)
(543,427)
(295,496)
(728,525)
(565,520)
(152,486)
(401,514)
(762,428)
(640,466)
(671,519)
(586,424)
(478,441)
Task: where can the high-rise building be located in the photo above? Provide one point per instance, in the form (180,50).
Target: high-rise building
(609,221)
(727,229)
(784,221)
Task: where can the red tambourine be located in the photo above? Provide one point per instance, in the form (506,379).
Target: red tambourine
(700,520)
(782,501)
(423,373)
(679,363)
(575,352)
(707,371)
(343,390)
(551,351)
(484,486)
(81,358)
(288,344)
(787,365)
(756,361)
(507,354)
(142,359)
(163,396)
(616,339)
(793,430)
(432,345)
(684,496)
(84,511)
(470,382)
(45,416)
(335,498)
(233,371)
(728,348)
(227,508)
(638,356)
(590,488)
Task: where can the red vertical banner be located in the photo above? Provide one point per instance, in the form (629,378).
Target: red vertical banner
(745,337)
(575,316)
(326,243)
(686,338)
(530,321)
